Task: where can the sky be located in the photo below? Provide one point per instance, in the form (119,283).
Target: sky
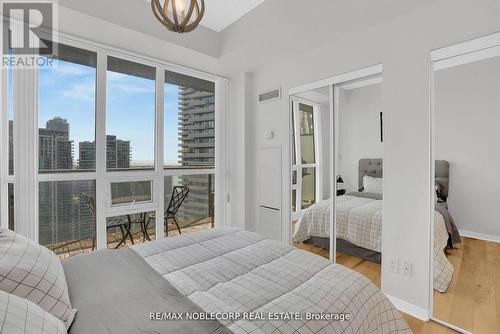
(68,91)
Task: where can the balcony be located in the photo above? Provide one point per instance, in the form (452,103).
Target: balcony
(68,221)
(197,145)
(196,95)
(73,247)
(207,134)
(196,155)
(194,111)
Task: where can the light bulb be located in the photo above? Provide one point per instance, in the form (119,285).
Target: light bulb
(180,5)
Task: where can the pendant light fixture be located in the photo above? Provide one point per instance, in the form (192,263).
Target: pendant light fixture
(179,15)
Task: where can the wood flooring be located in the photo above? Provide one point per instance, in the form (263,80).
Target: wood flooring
(472,300)
(372,271)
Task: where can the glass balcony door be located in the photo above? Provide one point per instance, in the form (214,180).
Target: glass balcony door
(306,181)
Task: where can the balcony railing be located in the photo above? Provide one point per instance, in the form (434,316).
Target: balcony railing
(69,248)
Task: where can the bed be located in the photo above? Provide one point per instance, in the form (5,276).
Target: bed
(359,223)
(216,271)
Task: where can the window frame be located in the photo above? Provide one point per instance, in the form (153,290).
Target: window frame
(5,178)
(29,187)
(318,154)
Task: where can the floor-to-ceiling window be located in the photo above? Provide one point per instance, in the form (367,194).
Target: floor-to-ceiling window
(117,137)
(66,140)
(189,155)
(305,155)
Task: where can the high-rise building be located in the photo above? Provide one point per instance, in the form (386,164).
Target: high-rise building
(197,148)
(62,213)
(118,153)
(54,146)
(86,155)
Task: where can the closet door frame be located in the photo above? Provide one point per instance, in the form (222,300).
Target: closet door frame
(451,56)
(333,83)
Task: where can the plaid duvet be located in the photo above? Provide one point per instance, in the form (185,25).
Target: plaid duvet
(359,221)
(229,270)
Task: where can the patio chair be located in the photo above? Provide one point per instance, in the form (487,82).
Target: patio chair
(122,224)
(211,204)
(179,194)
(141,220)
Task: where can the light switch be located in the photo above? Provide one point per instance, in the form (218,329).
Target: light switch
(393,265)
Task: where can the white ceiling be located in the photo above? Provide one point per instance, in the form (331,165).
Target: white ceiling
(219,14)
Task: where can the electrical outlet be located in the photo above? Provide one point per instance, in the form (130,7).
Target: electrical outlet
(406,268)
(393,265)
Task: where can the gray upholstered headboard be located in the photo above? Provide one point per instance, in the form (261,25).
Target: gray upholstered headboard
(442,171)
(374,168)
(370,167)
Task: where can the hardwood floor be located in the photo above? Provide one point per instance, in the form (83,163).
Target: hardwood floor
(472,300)
(372,271)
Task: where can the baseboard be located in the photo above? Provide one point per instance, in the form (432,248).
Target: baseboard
(480,236)
(410,309)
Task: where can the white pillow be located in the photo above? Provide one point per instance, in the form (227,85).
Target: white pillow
(20,316)
(31,271)
(372,184)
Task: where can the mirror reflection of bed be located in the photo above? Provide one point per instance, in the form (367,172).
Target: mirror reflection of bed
(358,177)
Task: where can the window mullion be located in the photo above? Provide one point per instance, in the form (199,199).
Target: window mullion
(25,102)
(221,177)
(298,156)
(100,152)
(158,186)
(318,153)
(4,148)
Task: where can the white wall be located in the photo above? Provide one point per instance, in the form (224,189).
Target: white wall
(281,52)
(359,130)
(467,135)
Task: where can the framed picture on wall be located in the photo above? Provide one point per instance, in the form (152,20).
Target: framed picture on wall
(382,127)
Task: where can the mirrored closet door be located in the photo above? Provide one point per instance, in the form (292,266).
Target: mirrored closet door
(336,135)
(466,227)
(311,114)
(359,175)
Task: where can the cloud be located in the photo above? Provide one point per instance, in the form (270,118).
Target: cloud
(126,84)
(80,90)
(66,69)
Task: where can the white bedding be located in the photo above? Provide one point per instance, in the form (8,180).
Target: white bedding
(359,221)
(229,270)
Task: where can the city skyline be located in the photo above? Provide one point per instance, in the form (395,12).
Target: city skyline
(64,214)
(56,150)
(66,135)
(130,107)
